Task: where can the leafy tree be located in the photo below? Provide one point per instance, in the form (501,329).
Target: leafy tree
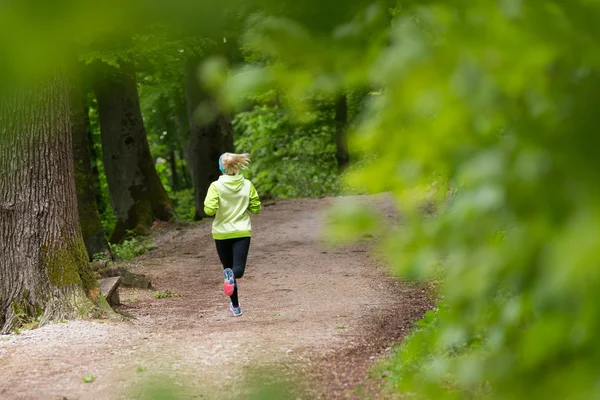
(291,158)
(136,191)
(163,104)
(175,100)
(89,218)
(107,215)
(210,135)
(497,99)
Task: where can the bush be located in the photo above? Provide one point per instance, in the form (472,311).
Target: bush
(499,99)
(183,201)
(289,159)
(131,248)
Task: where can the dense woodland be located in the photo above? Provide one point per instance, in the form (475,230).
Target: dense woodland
(178,139)
(483,110)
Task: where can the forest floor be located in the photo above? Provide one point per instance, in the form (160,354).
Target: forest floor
(315,319)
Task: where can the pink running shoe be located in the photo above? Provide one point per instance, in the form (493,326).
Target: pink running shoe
(229,284)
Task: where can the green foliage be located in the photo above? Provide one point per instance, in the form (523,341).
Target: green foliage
(131,248)
(89,378)
(162,53)
(166,294)
(183,201)
(107,215)
(26,321)
(289,159)
(412,355)
(50,34)
(252,383)
(159,52)
(100,257)
(486,110)
(351,220)
(162,101)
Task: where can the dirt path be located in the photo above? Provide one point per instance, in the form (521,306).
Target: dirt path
(311,310)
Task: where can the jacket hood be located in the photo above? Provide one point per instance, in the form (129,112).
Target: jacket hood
(233,183)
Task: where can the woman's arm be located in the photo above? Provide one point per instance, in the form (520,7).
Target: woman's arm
(254,205)
(211,202)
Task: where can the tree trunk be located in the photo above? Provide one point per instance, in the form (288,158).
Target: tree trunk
(136,191)
(44,268)
(208,138)
(341,127)
(183,129)
(174,172)
(89,218)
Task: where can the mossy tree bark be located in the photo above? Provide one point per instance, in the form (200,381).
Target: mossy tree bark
(209,136)
(44,268)
(136,191)
(341,127)
(89,217)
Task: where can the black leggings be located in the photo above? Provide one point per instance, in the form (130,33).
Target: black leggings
(233,254)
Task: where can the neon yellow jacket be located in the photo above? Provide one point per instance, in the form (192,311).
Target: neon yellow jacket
(229,199)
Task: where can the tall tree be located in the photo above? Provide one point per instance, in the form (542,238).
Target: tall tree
(137,193)
(341,126)
(210,134)
(174,173)
(89,218)
(44,268)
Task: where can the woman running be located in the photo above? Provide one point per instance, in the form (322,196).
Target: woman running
(229,199)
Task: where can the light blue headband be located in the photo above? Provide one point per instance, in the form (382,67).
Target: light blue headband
(221,167)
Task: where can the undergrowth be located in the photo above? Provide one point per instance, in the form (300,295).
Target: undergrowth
(127,250)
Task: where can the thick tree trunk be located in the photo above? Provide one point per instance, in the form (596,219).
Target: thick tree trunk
(89,218)
(44,268)
(341,127)
(207,139)
(137,193)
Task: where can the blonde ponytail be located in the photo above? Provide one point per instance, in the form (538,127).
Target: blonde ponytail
(234,163)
